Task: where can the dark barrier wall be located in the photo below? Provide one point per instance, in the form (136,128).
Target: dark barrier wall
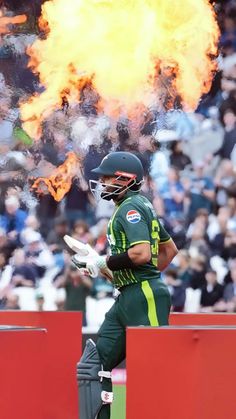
(182,373)
(21,373)
(61,351)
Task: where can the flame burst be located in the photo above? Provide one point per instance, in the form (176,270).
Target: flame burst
(59,183)
(126,47)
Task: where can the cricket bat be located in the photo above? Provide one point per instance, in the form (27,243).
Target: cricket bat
(84,249)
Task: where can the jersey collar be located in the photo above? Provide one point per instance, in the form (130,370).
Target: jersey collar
(128,194)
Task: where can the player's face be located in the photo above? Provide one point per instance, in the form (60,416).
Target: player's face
(104,187)
(109,181)
(110,185)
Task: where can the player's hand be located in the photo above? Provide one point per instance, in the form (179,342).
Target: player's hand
(87,260)
(89,265)
(85,265)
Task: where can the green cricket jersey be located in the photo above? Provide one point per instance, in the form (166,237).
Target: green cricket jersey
(134,221)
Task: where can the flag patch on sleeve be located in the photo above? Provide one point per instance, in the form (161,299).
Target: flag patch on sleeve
(133,216)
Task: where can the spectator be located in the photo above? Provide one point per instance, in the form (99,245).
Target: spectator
(224,179)
(229,250)
(200,191)
(81,231)
(177,290)
(228,303)
(229,140)
(197,272)
(31,224)
(40,301)
(183,267)
(5,276)
(228,277)
(24,273)
(92,159)
(171,191)
(77,289)
(212,292)
(6,246)
(55,237)
(145,151)
(101,242)
(197,239)
(38,254)
(11,301)
(104,209)
(77,205)
(201,220)
(159,164)
(229,26)
(56,242)
(177,157)
(217,229)
(101,288)
(198,244)
(46,211)
(13,219)
(19,273)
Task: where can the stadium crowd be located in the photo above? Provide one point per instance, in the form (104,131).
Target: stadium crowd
(190,176)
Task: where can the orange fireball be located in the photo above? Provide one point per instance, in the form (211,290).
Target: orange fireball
(127,47)
(59,183)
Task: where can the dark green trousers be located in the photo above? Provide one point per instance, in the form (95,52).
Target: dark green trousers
(146,303)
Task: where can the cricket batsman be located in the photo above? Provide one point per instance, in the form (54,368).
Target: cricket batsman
(140,250)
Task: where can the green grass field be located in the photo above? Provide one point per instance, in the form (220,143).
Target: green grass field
(118,406)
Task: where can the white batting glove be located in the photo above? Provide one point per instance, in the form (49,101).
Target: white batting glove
(84,250)
(89,266)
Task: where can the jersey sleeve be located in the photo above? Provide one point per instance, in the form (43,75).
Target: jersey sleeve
(164,236)
(134,223)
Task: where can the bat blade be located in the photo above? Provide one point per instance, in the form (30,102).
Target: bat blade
(79,247)
(76,245)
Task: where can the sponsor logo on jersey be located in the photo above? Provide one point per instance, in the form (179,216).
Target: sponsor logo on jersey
(133,216)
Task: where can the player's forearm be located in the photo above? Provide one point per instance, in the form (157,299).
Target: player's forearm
(166,254)
(163,262)
(136,255)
